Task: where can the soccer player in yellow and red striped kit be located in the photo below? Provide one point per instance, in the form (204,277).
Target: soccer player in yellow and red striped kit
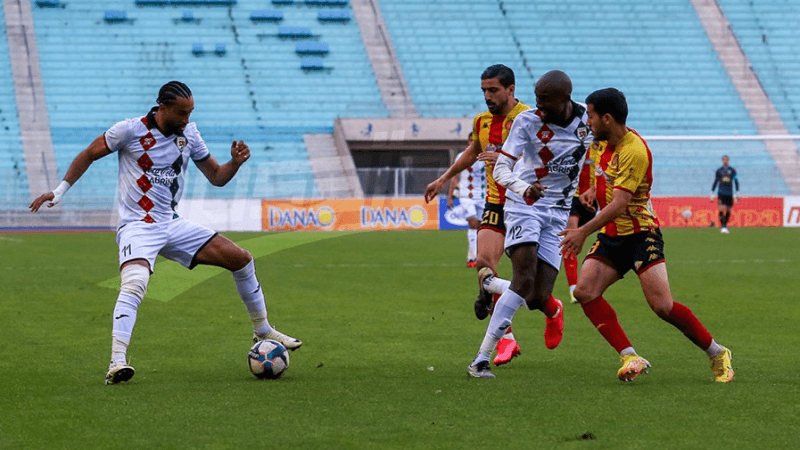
(629,238)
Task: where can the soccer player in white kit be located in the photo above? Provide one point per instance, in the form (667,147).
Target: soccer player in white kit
(154,153)
(471,185)
(539,166)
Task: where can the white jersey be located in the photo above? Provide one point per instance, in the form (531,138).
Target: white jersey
(472,181)
(548,153)
(152,167)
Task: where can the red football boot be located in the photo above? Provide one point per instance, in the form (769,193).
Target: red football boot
(554,328)
(507,349)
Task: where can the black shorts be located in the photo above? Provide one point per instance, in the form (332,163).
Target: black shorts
(493,218)
(637,251)
(584,215)
(725,200)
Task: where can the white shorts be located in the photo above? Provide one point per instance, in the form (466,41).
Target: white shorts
(178,240)
(539,226)
(466,208)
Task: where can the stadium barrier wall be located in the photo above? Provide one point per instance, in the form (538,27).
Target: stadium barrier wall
(412,213)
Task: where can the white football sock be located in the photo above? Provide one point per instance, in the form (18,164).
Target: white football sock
(253,297)
(507,305)
(133,286)
(714,349)
(472,241)
(495,284)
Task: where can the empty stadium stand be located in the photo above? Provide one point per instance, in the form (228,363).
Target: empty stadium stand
(247,79)
(657,53)
(13,175)
(764,32)
(274,72)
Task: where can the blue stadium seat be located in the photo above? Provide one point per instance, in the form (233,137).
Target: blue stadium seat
(294,32)
(48,3)
(197,49)
(312,64)
(115,16)
(266,16)
(219,50)
(311,47)
(341,15)
(187,16)
(326,2)
(282,2)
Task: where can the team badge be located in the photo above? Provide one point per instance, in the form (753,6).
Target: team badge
(147,141)
(181,142)
(509,122)
(545,134)
(582,131)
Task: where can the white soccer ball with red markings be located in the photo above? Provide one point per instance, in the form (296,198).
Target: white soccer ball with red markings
(268,359)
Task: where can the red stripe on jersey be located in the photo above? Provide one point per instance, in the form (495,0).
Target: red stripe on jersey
(585,177)
(601,191)
(496,130)
(623,189)
(504,153)
(637,227)
(611,228)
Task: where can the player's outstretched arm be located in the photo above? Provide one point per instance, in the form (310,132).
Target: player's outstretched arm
(467,159)
(573,240)
(96,150)
(220,175)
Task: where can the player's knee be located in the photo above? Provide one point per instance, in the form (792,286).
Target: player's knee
(134,279)
(662,310)
(482,262)
(583,295)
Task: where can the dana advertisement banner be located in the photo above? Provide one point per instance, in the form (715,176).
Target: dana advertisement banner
(451,219)
(378,213)
(696,212)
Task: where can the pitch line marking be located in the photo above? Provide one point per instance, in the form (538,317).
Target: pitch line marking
(171,279)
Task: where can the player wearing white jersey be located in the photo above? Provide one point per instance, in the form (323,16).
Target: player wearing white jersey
(539,166)
(471,186)
(154,153)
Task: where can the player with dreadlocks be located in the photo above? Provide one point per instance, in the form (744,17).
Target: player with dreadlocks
(154,153)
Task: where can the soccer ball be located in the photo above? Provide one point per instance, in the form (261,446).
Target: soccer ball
(268,359)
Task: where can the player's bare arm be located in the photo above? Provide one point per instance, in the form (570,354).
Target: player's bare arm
(488,157)
(219,175)
(96,150)
(467,159)
(588,197)
(574,238)
(450,191)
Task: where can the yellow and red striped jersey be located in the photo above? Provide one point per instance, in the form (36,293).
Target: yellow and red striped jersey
(587,177)
(628,166)
(492,132)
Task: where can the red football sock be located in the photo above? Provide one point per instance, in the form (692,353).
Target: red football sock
(684,319)
(604,318)
(550,307)
(571,269)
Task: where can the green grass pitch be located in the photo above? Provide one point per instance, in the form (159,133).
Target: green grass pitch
(388,330)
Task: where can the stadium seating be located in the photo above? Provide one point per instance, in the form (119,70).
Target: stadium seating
(14,191)
(270,80)
(255,90)
(658,54)
(13,176)
(769,38)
